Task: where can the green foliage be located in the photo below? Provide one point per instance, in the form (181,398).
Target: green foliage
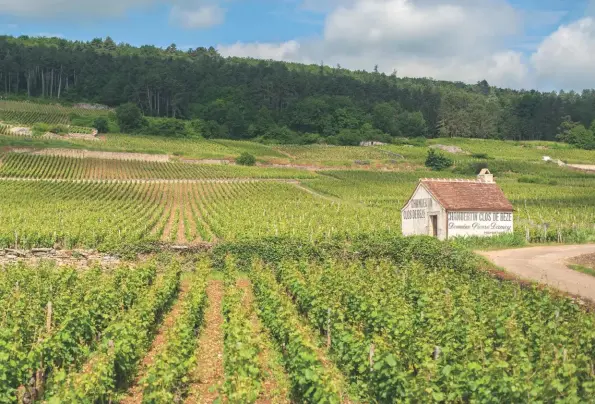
(240,98)
(483,156)
(577,134)
(166,379)
(122,346)
(243,381)
(346,300)
(246,159)
(83,305)
(129,117)
(170,127)
(59,129)
(312,382)
(40,129)
(101,124)
(583,269)
(437,161)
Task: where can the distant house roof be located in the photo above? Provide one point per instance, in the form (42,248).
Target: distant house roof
(467,195)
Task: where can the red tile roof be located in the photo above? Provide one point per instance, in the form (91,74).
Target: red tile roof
(466,195)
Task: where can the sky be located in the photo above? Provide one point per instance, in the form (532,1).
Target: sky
(547,45)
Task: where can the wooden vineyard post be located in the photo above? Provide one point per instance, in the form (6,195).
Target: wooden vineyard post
(436,354)
(39,375)
(371,357)
(48,318)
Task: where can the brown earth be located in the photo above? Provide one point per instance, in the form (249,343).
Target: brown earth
(587,260)
(209,374)
(272,390)
(582,167)
(135,393)
(548,265)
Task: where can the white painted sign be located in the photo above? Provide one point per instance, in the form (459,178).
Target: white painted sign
(416,217)
(479,223)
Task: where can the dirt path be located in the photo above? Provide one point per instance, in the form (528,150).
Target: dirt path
(209,373)
(548,265)
(276,385)
(583,167)
(317,194)
(135,393)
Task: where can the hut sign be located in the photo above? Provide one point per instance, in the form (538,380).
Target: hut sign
(446,208)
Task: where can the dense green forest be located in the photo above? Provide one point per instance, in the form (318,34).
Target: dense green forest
(281,102)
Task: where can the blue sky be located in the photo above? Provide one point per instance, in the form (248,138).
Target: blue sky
(514,43)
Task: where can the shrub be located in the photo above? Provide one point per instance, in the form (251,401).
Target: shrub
(437,161)
(483,156)
(129,117)
(58,129)
(40,129)
(101,124)
(246,159)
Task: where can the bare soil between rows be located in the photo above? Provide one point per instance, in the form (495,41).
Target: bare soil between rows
(209,373)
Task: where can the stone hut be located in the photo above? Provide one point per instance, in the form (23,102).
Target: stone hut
(447,208)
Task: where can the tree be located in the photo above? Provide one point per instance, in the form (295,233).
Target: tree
(101,124)
(412,124)
(437,161)
(200,84)
(577,135)
(129,117)
(384,117)
(246,159)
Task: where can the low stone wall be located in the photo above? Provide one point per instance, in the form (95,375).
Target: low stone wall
(76,258)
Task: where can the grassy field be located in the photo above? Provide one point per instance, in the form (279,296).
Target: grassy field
(294,285)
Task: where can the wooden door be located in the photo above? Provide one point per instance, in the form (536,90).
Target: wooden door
(434,224)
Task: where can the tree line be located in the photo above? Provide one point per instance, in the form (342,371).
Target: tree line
(242,98)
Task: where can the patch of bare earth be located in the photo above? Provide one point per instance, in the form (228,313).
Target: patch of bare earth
(208,161)
(275,386)
(135,393)
(586,260)
(583,167)
(208,374)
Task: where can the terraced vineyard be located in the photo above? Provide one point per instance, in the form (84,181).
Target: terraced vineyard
(24,165)
(400,320)
(27,113)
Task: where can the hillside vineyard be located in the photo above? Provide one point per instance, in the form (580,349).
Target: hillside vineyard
(231,231)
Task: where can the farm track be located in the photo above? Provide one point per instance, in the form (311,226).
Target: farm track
(548,265)
(208,374)
(309,190)
(276,382)
(135,392)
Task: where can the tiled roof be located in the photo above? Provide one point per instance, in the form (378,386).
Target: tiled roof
(468,195)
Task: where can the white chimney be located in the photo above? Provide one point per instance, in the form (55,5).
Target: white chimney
(485,176)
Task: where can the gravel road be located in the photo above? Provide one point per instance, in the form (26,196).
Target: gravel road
(548,265)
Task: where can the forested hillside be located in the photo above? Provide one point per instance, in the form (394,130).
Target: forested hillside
(276,101)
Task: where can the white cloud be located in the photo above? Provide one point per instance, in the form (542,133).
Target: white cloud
(443,39)
(282,51)
(566,59)
(200,16)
